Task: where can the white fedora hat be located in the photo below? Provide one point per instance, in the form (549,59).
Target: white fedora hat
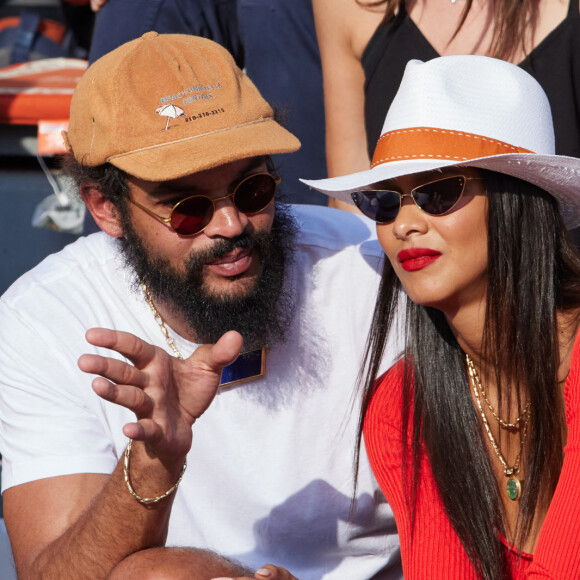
(471,111)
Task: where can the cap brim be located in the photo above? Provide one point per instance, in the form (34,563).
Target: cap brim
(198,153)
(557,174)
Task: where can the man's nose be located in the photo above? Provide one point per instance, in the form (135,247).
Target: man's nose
(227,221)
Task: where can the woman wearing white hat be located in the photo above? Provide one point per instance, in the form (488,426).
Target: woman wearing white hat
(475,435)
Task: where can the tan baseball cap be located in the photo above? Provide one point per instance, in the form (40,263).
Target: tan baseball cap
(168,105)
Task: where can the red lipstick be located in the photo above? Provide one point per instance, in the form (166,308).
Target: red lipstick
(417,258)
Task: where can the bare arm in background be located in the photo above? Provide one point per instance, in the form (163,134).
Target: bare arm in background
(344,28)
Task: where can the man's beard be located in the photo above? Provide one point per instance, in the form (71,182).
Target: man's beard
(261,314)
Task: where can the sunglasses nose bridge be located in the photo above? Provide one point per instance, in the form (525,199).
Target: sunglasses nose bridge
(227,219)
(409,196)
(402,219)
(216,199)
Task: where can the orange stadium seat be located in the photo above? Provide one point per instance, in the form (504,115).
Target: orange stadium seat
(39,93)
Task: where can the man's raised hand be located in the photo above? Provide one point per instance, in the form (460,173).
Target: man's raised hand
(166,394)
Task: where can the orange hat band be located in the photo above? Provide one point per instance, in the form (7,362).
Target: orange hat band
(430,143)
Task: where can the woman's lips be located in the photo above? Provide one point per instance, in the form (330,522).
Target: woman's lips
(232,264)
(417,258)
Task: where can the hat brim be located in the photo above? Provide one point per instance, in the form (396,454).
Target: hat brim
(557,174)
(201,152)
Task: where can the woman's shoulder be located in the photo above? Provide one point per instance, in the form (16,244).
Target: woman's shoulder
(572,384)
(387,398)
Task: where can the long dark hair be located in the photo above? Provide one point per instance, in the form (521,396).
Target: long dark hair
(513,19)
(533,273)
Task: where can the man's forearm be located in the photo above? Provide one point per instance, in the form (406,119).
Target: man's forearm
(114,526)
(100,527)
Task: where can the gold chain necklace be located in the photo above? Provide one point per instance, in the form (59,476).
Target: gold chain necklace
(168,338)
(515,426)
(250,365)
(513,486)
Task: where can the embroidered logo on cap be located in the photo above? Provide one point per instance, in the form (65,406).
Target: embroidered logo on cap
(201,93)
(171,112)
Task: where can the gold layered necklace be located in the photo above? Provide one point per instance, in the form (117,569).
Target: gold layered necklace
(168,338)
(249,365)
(513,485)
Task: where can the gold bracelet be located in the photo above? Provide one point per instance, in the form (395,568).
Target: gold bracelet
(146,500)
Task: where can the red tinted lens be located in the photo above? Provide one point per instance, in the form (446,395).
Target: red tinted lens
(255,193)
(191,215)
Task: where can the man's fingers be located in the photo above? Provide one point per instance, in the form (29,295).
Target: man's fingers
(112,369)
(128,396)
(271,572)
(268,572)
(223,352)
(139,352)
(144,430)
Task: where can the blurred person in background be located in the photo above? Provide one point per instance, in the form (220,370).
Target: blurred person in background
(365,46)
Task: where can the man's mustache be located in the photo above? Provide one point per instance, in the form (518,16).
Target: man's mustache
(220,249)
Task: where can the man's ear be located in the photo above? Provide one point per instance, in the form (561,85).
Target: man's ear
(103,211)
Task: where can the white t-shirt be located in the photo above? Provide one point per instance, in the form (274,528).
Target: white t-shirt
(270,475)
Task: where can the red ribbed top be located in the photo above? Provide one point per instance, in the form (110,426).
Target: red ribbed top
(435,553)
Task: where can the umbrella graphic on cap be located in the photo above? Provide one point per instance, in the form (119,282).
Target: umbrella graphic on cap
(171,112)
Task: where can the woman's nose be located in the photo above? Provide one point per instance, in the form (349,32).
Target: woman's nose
(410,219)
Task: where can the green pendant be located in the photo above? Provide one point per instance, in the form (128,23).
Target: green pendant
(514,488)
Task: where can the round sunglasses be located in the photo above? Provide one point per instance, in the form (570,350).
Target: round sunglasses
(191,215)
(434,198)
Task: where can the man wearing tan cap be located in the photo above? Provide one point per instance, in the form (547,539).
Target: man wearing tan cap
(171,145)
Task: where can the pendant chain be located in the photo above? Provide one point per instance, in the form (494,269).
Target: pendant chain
(514,486)
(515,426)
(168,338)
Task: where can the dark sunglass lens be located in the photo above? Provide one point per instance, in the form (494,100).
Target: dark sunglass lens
(255,193)
(366,201)
(381,206)
(191,215)
(440,196)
